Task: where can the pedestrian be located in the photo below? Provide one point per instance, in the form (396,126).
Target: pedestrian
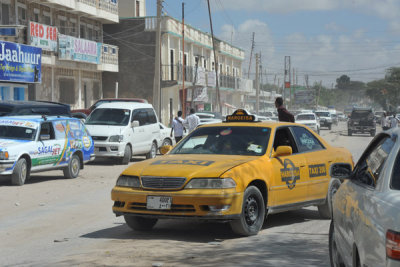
(393,121)
(283,113)
(177,127)
(384,122)
(191,121)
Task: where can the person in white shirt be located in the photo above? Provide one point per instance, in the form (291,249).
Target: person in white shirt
(177,127)
(192,121)
(393,121)
(384,122)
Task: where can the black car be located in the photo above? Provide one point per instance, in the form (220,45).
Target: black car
(17,108)
(361,120)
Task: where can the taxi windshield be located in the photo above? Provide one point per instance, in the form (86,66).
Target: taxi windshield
(16,132)
(226,140)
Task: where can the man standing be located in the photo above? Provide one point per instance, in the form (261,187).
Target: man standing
(393,121)
(177,127)
(192,121)
(283,113)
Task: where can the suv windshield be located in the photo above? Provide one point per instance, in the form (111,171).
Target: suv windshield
(322,114)
(109,116)
(358,114)
(305,117)
(251,141)
(16,132)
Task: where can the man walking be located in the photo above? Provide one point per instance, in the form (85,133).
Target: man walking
(192,121)
(393,121)
(177,127)
(283,113)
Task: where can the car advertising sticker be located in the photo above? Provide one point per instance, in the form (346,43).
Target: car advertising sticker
(290,173)
(86,142)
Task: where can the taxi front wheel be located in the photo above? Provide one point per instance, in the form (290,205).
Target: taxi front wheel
(253,213)
(140,223)
(20,173)
(325,210)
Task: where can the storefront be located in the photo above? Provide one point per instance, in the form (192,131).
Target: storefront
(20,65)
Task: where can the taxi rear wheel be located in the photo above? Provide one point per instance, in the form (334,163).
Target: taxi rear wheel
(253,213)
(325,210)
(73,168)
(140,223)
(20,173)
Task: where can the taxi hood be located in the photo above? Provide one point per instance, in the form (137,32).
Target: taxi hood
(188,165)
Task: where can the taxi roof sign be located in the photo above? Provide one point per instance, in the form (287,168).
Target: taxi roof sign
(240,115)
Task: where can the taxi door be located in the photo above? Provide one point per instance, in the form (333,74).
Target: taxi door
(289,184)
(317,159)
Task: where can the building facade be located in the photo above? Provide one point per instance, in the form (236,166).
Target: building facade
(188,78)
(73,55)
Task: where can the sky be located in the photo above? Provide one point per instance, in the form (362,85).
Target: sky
(324,38)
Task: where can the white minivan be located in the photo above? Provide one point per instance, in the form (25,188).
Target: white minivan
(123,129)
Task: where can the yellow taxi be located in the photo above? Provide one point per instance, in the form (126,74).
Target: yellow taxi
(237,171)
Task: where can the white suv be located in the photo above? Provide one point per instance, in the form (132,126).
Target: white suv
(310,120)
(123,129)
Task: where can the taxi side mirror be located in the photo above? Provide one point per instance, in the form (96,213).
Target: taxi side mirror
(282,151)
(165,149)
(341,170)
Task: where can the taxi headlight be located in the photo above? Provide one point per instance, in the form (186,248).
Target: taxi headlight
(116,138)
(3,154)
(211,183)
(128,181)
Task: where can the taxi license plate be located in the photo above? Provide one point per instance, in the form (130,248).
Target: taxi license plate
(159,203)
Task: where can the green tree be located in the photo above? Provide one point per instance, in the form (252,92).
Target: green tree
(342,82)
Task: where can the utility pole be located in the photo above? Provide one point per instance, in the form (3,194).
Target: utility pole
(157,63)
(257,83)
(215,60)
(287,77)
(251,54)
(317,98)
(183,62)
(306,79)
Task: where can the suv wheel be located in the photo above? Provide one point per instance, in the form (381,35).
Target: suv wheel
(153,151)
(20,173)
(73,168)
(127,155)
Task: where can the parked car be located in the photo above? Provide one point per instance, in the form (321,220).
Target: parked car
(123,129)
(19,108)
(165,136)
(361,120)
(236,171)
(365,227)
(378,116)
(342,116)
(309,119)
(325,118)
(107,100)
(34,143)
(207,118)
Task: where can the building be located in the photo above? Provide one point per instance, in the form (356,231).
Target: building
(191,68)
(68,36)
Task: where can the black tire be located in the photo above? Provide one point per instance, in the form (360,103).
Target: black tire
(253,213)
(127,155)
(20,173)
(334,255)
(330,126)
(372,133)
(153,151)
(349,133)
(73,168)
(138,223)
(325,210)
(167,142)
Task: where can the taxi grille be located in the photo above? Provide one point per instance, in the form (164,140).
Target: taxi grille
(153,182)
(174,208)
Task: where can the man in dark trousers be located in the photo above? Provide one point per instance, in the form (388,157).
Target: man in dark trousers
(283,113)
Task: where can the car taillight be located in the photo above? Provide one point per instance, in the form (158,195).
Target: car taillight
(393,245)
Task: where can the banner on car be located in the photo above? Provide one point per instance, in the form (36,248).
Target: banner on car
(76,49)
(20,63)
(42,36)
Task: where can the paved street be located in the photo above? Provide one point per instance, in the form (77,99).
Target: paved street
(55,221)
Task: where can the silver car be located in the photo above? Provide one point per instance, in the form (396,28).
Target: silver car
(365,227)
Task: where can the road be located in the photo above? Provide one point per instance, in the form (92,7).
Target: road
(52,221)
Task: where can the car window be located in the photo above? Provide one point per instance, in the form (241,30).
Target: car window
(395,182)
(369,169)
(283,137)
(141,116)
(46,128)
(305,117)
(151,116)
(305,140)
(252,141)
(16,132)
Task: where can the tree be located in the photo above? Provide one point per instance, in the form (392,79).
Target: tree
(342,82)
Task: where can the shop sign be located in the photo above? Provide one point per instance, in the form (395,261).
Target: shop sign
(42,36)
(76,49)
(20,63)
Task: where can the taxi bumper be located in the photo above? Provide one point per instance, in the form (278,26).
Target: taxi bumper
(6,166)
(212,204)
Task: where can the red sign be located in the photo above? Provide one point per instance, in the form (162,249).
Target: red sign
(43,36)
(287,84)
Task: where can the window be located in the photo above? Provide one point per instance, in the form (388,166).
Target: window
(205,63)
(47,129)
(36,15)
(67,91)
(21,15)
(172,62)
(369,167)
(46,19)
(305,140)
(283,137)
(62,27)
(72,28)
(151,116)
(82,31)
(19,93)
(5,14)
(89,33)
(140,115)
(137,9)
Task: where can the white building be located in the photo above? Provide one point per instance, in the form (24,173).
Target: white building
(70,34)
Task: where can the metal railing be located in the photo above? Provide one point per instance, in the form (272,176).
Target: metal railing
(107,5)
(109,54)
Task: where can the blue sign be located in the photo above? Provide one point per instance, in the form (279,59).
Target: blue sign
(20,63)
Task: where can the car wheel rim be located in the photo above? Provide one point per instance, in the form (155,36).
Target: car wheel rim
(153,151)
(75,166)
(166,143)
(251,211)
(23,172)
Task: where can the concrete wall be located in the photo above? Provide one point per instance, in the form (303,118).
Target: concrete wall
(136,60)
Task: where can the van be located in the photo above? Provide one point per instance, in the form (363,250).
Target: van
(122,129)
